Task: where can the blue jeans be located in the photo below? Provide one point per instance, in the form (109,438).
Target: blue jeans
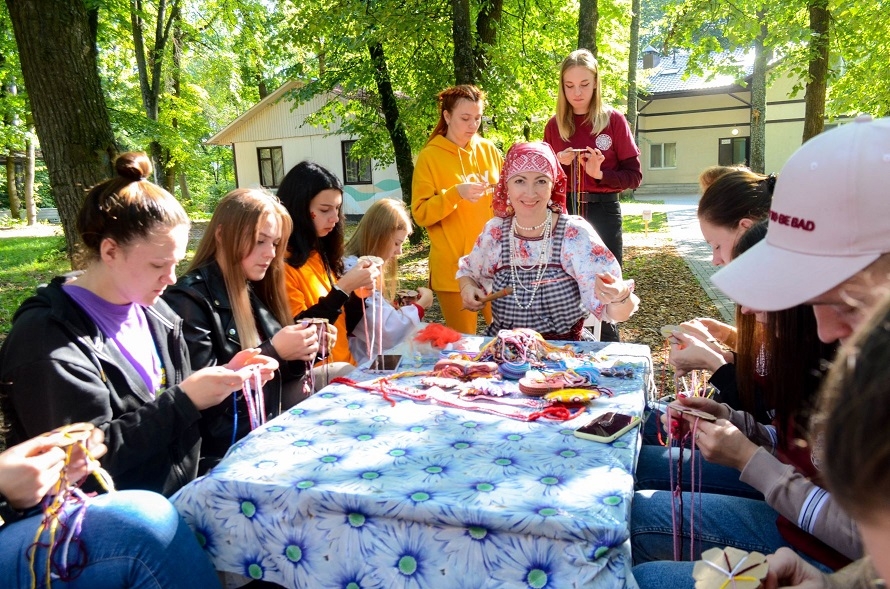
(720,521)
(666,574)
(654,472)
(132,539)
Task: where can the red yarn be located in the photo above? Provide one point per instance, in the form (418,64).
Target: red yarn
(556,412)
(343,380)
(438,335)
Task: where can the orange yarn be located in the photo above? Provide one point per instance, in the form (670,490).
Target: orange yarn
(438,335)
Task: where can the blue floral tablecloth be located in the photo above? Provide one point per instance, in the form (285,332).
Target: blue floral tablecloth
(345,490)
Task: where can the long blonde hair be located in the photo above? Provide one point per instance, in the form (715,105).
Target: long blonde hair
(598,114)
(230,237)
(373,237)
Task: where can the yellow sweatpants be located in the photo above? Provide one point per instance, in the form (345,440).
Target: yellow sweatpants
(463,321)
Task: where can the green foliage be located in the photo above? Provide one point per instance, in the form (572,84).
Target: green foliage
(230,49)
(27,263)
(521,80)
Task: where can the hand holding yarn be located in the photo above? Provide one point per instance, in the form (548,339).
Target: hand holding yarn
(722,332)
(592,161)
(722,443)
(608,290)
(297,342)
(212,385)
(30,470)
(424,297)
(787,569)
(472,191)
(84,456)
(252,360)
(567,156)
(690,353)
(363,275)
(701,404)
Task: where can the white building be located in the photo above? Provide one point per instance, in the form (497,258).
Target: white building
(273,136)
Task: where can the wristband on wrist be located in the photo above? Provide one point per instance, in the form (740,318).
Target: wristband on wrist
(622,301)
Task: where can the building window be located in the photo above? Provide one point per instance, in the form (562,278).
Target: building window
(662,155)
(271,161)
(734,151)
(356,170)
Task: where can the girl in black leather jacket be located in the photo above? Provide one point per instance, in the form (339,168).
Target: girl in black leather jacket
(233,297)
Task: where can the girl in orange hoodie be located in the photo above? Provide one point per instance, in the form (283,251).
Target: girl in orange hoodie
(451,195)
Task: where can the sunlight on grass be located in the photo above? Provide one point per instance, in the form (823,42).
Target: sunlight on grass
(634,223)
(27,263)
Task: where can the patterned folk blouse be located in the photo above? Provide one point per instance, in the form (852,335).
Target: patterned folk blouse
(574,245)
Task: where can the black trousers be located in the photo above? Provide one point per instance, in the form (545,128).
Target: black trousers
(606,220)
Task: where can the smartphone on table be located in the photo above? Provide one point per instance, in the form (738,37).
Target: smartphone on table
(607,427)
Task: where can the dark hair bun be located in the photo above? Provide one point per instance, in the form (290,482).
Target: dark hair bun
(770,184)
(133,165)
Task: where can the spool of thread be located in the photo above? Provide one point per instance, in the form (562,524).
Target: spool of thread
(514,370)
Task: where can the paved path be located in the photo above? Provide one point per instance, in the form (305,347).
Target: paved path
(687,238)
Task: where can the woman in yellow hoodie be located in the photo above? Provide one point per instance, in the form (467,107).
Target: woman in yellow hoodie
(451,195)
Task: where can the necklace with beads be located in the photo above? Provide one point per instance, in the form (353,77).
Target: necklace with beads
(540,265)
(535,228)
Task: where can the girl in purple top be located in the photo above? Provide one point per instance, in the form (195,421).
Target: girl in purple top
(103,348)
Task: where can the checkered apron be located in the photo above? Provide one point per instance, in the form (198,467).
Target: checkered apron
(556,311)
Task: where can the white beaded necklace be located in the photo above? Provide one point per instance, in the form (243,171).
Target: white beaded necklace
(540,263)
(535,228)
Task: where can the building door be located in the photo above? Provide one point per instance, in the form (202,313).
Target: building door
(734,151)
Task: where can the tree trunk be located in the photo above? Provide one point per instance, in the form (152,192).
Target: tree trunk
(588,18)
(262,88)
(59,66)
(11,190)
(817,80)
(758,100)
(171,169)
(462,35)
(487,22)
(632,66)
(30,202)
(631,112)
(149,66)
(397,134)
(184,194)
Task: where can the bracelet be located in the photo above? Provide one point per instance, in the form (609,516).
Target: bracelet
(622,301)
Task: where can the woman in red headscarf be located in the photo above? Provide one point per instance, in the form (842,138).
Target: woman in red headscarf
(556,264)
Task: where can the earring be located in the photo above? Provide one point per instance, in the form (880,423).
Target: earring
(509,210)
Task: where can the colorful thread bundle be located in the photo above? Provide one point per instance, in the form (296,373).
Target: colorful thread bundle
(576,181)
(522,345)
(252,390)
(374,335)
(675,434)
(64,509)
(491,405)
(321,326)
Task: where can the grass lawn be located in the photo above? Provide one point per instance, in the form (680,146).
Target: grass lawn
(27,263)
